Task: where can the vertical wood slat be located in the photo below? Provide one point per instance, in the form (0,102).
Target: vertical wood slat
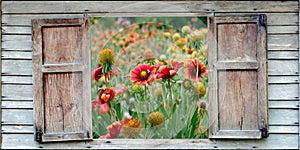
(299,74)
(61,79)
(236,113)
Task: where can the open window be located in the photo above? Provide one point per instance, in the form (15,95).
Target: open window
(236,104)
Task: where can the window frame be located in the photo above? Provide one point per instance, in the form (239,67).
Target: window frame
(206,143)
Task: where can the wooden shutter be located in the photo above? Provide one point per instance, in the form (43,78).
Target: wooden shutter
(62,79)
(237,77)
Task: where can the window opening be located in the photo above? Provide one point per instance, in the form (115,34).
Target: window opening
(149,77)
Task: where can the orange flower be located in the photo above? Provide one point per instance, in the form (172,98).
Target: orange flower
(131,127)
(143,74)
(194,69)
(106,95)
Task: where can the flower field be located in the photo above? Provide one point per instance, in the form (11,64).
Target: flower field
(150,77)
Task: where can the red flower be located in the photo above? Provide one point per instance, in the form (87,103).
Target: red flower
(97,73)
(143,74)
(96,104)
(113,130)
(104,108)
(194,69)
(166,72)
(106,95)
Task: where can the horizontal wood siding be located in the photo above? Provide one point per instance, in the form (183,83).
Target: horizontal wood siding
(283,67)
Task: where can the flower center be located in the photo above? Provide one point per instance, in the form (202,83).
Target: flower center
(143,75)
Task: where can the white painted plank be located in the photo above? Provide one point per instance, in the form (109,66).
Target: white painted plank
(17,92)
(17,104)
(16,38)
(283,42)
(283,55)
(282,29)
(16,55)
(283,116)
(17,67)
(283,79)
(283,67)
(12,129)
(15,30)
(195,6)
(17,116)
(283,91)
(283,104)
(16,79)
(274,141)
(283,129)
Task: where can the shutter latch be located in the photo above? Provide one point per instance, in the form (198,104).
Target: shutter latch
(264,131)
(38,135)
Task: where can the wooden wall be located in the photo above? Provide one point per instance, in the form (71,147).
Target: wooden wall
(283,67)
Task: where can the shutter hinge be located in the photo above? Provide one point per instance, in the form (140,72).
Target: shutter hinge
(264,131)
(38,135)
(263,20)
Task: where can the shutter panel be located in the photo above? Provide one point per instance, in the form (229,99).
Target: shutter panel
(62,79)
(237,77)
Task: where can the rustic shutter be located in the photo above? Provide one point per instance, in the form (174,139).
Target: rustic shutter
(61,79)
(237,77)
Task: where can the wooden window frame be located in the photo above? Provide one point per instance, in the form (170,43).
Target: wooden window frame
(207,143)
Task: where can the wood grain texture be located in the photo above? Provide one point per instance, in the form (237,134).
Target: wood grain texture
(238,93)
(67,47)
(168,6)
(278,19)
(275,141)
(61,79)
(238,99)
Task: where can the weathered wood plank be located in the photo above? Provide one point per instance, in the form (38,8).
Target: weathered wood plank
(283,116)
(17,67)
(16,55)
(17,116)
(294,55)
(13,129)
(283,79)
(283,91)
(283,104)
(271,30)
(283,42)
(273,19)
(15,30)
(283,67)
(27,30)
(17,104)
(17,92)
(168,6)
(277,19)
(283,129)
(16,80)
(25,20)
(274,141)
(275,42)
(282,29)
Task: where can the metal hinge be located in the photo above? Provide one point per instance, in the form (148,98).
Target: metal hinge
(263,20)
(38,135)
(264,131)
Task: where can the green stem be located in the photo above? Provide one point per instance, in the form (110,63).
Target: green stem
(171,95)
